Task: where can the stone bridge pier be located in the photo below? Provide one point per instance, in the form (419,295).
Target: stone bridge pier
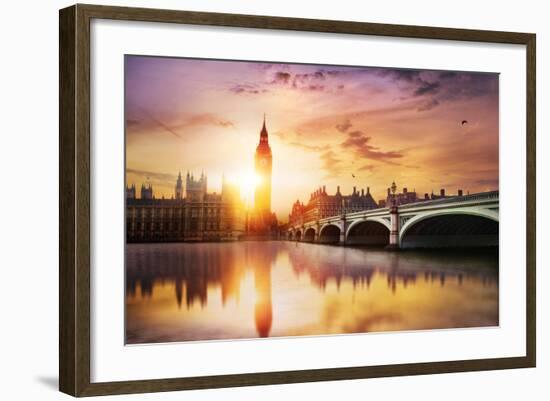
(394,228)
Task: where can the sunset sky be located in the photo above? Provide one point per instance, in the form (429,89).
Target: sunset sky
(325,124)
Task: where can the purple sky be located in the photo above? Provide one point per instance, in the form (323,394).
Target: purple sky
(326,125)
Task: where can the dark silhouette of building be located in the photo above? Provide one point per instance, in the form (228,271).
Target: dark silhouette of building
(131,192)
(199,216)
(261,220)
(179,188)
(322,205)
(406,197)
(146,192)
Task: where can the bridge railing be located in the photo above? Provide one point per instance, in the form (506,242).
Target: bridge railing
(490,195)
(481,196)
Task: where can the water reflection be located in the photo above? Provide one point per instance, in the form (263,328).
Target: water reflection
(180,292)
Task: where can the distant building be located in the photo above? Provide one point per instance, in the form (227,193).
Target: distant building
(322,205)
(131,192)
(442,195)
(197,216)
(411,197)
(147,192)
(179,188)
(401,198)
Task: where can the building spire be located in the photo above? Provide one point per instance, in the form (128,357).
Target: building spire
(263,133)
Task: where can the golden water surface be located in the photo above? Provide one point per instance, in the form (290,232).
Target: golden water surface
(206,291)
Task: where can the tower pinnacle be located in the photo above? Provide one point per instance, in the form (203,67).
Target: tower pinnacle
(263,134)
(179,186)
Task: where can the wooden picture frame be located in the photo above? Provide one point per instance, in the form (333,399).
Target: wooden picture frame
(75,208)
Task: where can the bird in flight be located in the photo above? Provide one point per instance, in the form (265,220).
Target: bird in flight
(353,175)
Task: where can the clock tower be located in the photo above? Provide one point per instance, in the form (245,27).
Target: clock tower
(262,166)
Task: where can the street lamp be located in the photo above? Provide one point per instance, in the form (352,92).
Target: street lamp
(393,190)
(394,220)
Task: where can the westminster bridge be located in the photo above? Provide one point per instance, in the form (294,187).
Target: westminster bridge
(459,221)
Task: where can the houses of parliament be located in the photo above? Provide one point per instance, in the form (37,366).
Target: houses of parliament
(194,214)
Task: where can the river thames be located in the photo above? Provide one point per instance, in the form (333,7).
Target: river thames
(212,291)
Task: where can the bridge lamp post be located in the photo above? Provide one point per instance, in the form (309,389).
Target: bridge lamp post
(394,220)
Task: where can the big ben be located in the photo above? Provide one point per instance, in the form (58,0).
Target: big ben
(262,166)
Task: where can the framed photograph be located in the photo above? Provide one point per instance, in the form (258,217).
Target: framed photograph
(250,200)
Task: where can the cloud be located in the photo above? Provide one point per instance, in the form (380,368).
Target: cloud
(313,148)
(397,75)
(433,87)
(428,105)
(281,77)
(132,122)
(280,134)
(174,124)
(315,81)
(309,80)
(427,88)
(225,123)
(437,87)
(447,74)
(247,89)
(451,86)
(161,124)
(331,164)
(343,127)
(316,87)
(465,86)
(152,175)
(356,141)
(205,119)
(367,167)
(359,142)
(270,66)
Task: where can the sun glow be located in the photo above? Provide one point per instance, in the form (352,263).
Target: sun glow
(247,182)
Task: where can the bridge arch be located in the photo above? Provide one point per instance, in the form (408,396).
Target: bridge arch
(453,228)
(309,234)
(329,234)
(380,220)
(368,232)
